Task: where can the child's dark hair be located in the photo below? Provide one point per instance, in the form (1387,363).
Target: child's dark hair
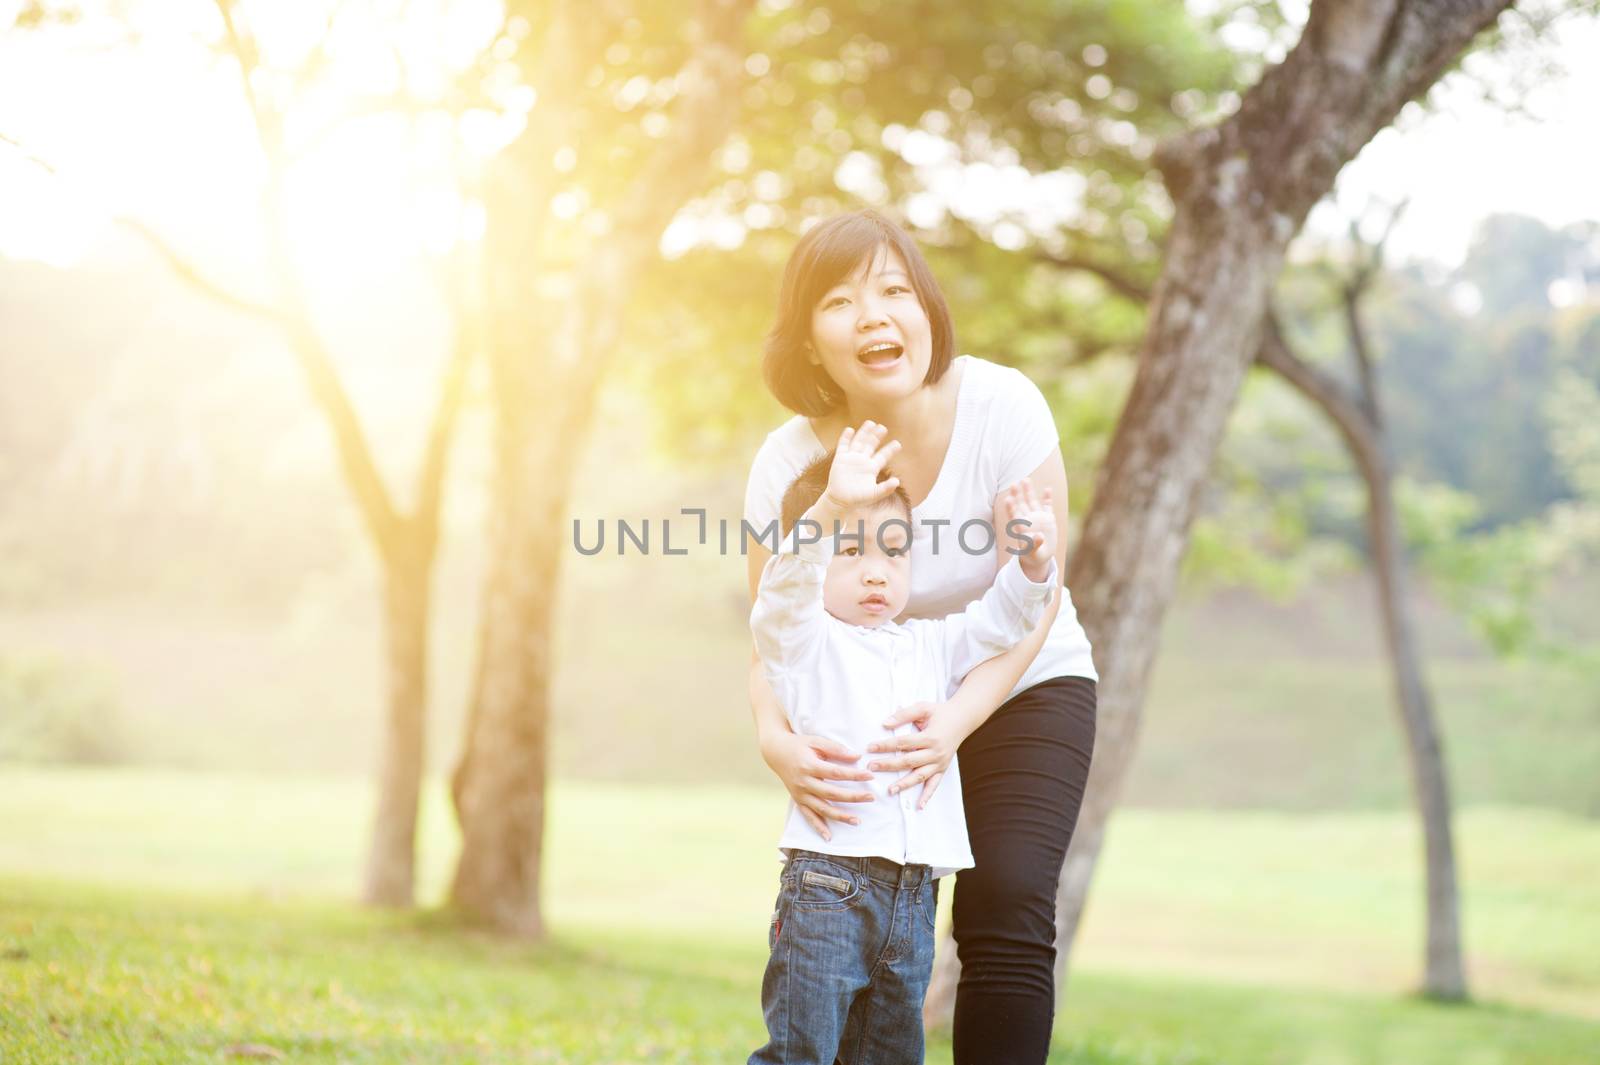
(807,488)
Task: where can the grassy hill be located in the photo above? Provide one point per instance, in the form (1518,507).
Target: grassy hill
(218,648)
(1253,704)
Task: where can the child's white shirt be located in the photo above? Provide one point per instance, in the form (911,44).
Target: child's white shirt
(1003,431)
(841,681)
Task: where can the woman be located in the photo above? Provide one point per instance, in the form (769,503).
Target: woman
(863,332)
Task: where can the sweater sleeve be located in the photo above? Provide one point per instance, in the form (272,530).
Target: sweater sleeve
(997,622)
(788,619)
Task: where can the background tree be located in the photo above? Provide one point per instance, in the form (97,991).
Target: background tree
(629,103)
(407,542)
(1242,189)
(405,538)
(1357,412)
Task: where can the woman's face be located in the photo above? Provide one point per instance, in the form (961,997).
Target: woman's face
(870,333)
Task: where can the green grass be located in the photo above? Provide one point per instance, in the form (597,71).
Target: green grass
(163,917)
(164,977)
(161,977)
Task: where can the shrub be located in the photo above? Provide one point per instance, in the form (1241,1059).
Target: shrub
(53,711)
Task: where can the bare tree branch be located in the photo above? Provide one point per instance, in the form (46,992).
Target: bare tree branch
(22,150)
(307,75)
(1367,256)
(1123,284)
(185,270)
(1340,402)
(668,178)
(702,120)
(1367,260)
(192,276)
(364,107)
(245,53)
(466,345)
(355,455)
(1366,372)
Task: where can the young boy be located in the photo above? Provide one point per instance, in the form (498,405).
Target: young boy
(851,937)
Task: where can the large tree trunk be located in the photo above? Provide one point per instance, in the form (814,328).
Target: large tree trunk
(548,359)
(543,412)
(1241,190)
(408,547)
(499,784)
(1359,421)
(392,860)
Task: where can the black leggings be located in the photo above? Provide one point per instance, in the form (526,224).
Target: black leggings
(1022,778)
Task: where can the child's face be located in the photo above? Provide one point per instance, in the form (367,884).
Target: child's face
(869,585)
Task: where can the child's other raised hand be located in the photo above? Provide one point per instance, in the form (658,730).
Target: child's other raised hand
(857,462)
(1023,504)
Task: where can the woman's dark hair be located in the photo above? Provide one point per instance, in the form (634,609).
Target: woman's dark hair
(828,252)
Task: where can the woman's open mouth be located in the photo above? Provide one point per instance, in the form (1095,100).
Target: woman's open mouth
(880,356)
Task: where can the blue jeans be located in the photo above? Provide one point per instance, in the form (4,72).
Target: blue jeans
(852,953)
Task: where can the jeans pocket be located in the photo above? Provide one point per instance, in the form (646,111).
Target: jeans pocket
(824,886)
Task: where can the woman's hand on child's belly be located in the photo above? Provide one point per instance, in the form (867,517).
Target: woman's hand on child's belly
(809,767)
(923,754)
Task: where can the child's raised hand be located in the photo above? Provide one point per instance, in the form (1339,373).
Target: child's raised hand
(1023,504)
(857,462)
